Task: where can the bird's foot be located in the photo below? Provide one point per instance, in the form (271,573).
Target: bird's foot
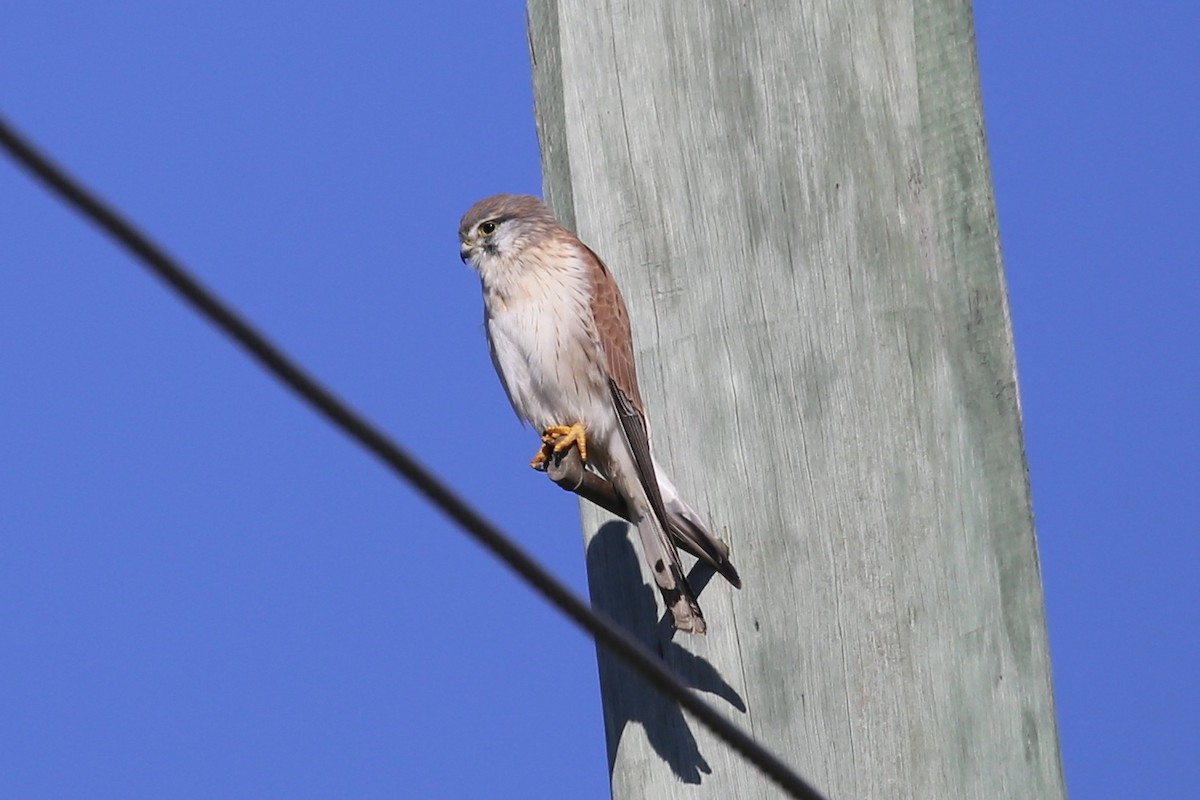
(558,438)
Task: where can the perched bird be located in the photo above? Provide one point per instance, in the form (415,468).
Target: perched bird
(560,340)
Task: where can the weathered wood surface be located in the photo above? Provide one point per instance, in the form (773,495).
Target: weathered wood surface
(795,199)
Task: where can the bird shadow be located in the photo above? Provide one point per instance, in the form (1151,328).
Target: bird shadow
(617,589)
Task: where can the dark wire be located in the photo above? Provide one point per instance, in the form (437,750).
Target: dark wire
(603,629)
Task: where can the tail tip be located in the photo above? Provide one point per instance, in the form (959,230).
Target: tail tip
(687,617)
(693,624)
(730,573)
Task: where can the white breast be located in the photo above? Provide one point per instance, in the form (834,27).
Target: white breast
(540,333)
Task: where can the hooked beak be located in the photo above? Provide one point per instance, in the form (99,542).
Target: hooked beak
(465,249)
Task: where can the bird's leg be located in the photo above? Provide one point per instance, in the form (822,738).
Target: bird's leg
(540,459)
(558,438)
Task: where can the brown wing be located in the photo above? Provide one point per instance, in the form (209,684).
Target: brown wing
(612,327)
(616,341)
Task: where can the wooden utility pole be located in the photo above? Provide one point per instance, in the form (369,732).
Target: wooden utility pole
(795,199)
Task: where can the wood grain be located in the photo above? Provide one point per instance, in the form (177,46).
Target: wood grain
(795,200)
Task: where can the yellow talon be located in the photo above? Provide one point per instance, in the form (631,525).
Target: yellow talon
(558,438)
(539,460)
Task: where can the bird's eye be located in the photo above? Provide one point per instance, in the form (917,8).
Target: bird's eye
(487,228)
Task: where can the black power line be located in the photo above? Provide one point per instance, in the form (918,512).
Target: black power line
(603,629)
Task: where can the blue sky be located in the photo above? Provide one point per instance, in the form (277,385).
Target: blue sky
(205,591)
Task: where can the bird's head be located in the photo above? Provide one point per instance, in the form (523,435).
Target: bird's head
(497,229)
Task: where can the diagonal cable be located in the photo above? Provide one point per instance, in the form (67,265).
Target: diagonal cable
(601,627)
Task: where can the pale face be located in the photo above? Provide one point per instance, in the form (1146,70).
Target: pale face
(499,228)
(488,238)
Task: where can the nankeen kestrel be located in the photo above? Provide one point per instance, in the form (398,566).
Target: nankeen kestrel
(560,340)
